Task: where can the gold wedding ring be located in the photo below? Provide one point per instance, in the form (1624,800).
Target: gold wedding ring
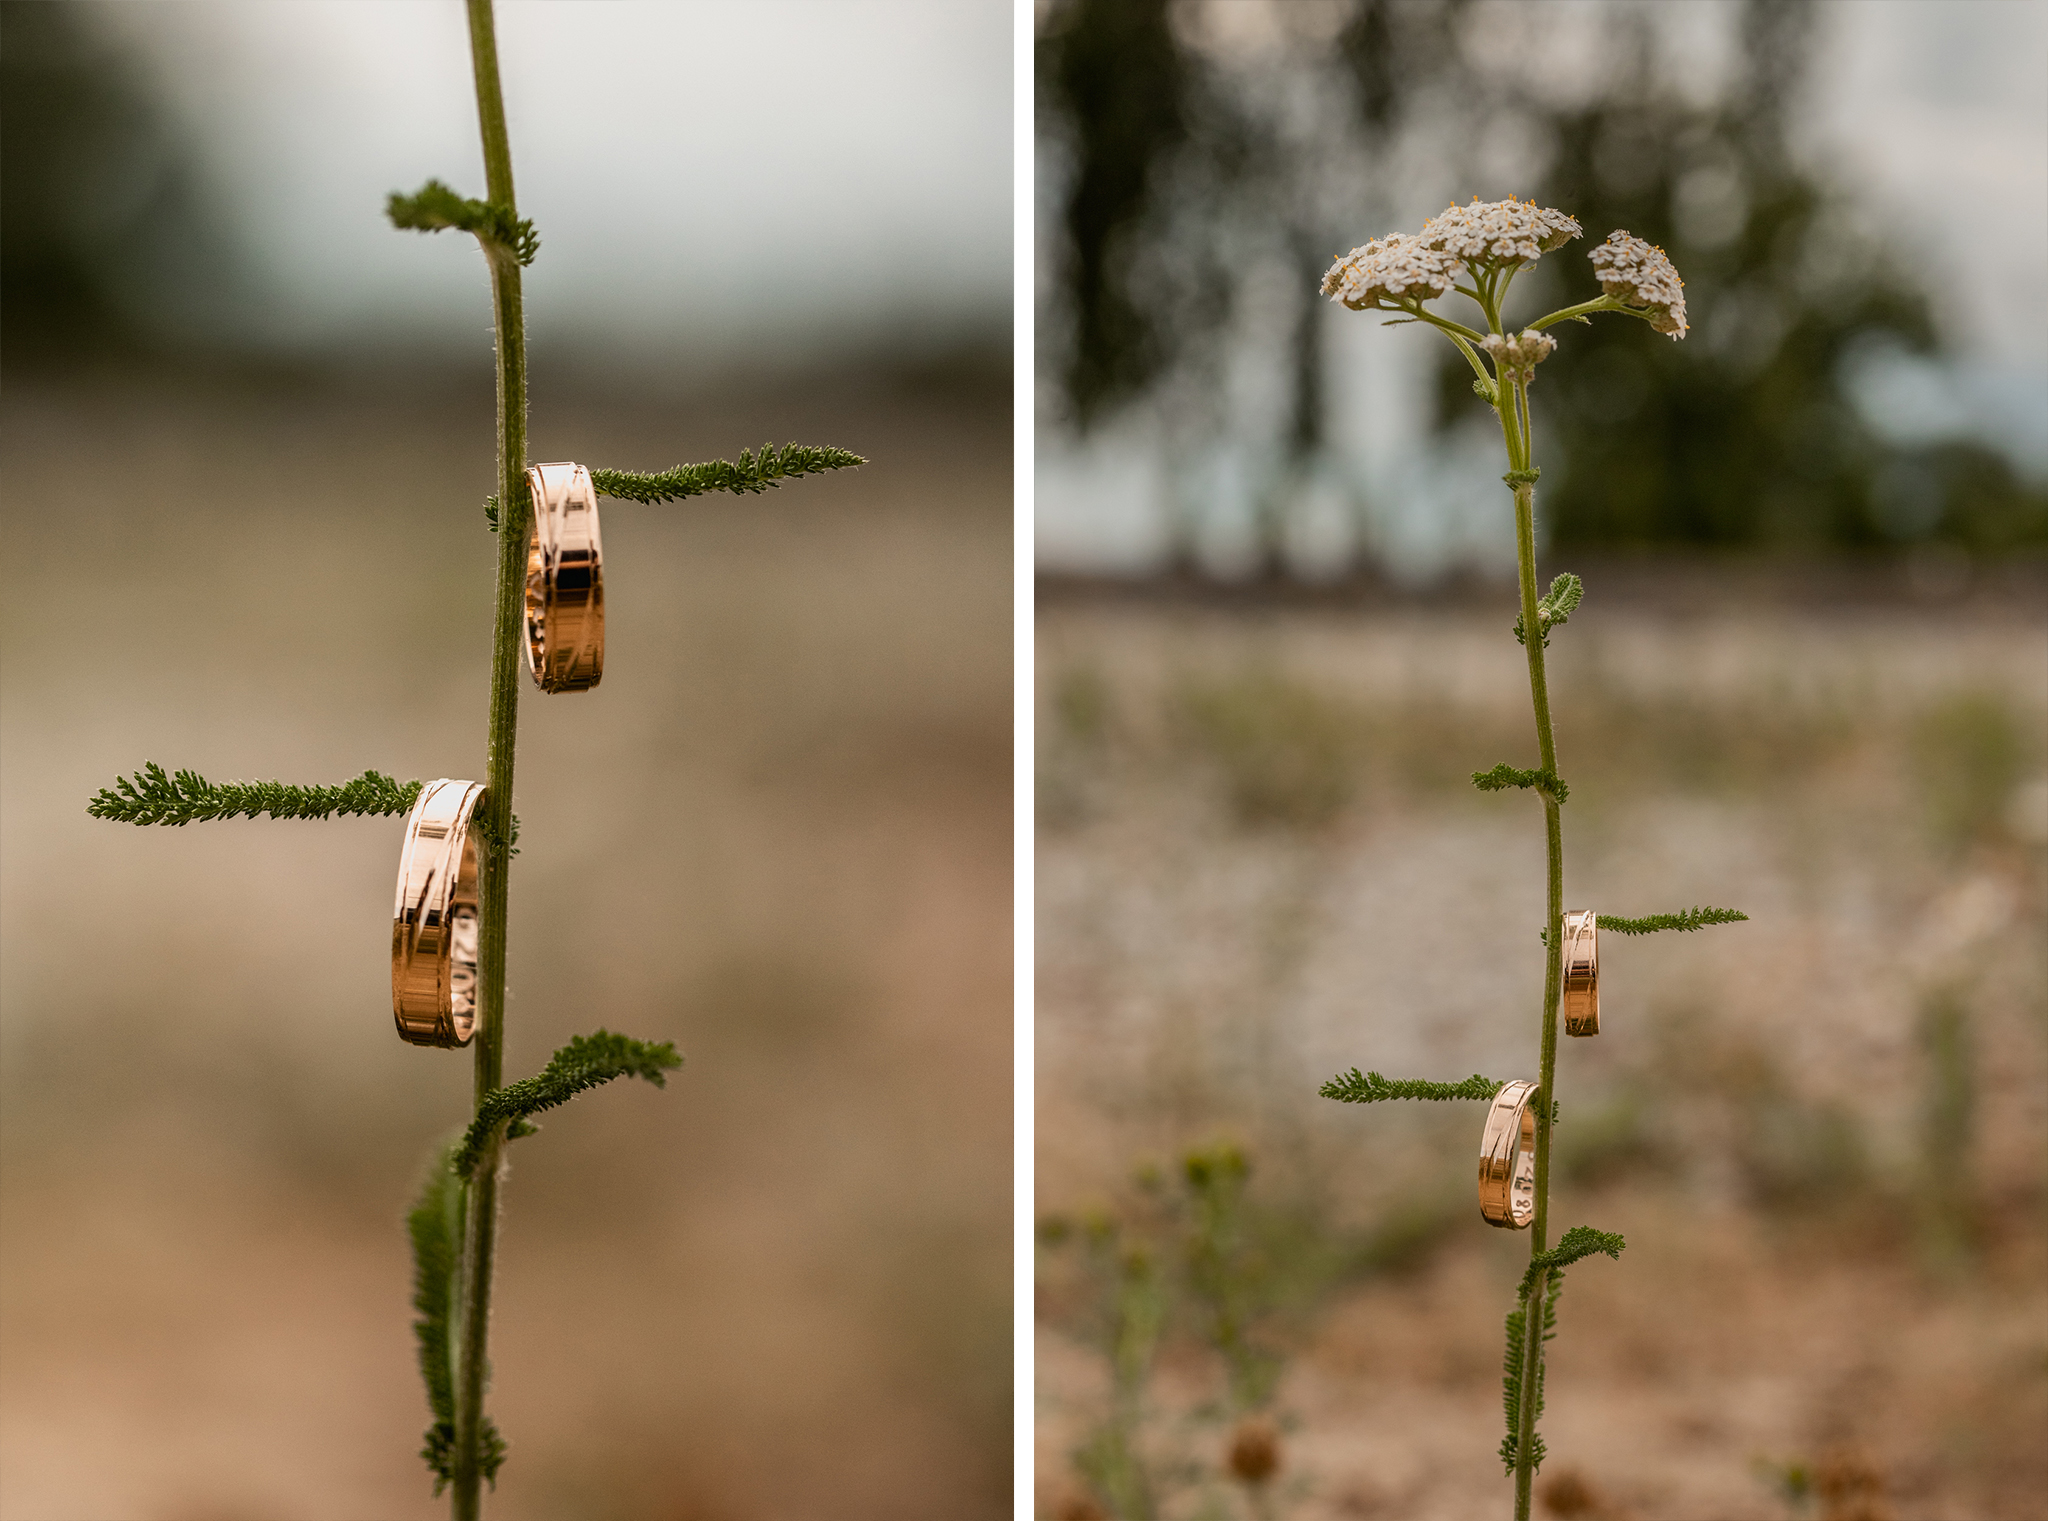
(1581,973)
(564,581)
(434,926)
(1507,1158)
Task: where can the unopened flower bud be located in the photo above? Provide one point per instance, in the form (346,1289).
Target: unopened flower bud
(1517,354)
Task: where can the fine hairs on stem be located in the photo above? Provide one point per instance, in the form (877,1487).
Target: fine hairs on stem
(453,1225)
(1476,251)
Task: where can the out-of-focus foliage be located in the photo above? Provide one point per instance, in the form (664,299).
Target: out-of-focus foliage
(101,215)
(1745,433)
(1194,167)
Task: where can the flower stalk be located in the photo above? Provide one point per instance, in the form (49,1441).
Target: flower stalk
(1476,251)
(480,1215)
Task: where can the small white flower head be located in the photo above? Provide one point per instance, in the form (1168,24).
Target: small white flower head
(1642,275)
(1498,232)
(1387,270)
(1516,355)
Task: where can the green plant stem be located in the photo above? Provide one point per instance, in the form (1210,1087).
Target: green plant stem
(494,888)
(1578,313)
(1513,403)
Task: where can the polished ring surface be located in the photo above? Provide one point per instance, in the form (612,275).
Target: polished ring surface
(1581,973)
(1507,1158)
(564,581)
(434,926)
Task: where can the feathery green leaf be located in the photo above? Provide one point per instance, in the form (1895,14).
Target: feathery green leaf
(435,1225)
(1511,1380)
(1504,776)
(1354,1087)
(154,797)
(1555,608)
(439,1452)
(588,1061)
(1580,1241)
(1688,919)
(434,207)
(749,473)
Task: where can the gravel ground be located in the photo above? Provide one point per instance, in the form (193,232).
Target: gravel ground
(1259,865)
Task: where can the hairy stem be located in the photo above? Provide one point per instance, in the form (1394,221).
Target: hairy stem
(1539,694)
(495,809)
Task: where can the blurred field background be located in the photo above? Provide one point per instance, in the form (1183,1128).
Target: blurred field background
(1809,680)
(778,832)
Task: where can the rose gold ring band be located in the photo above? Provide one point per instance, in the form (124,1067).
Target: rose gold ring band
(434,925)
(1507,1158)
(1581,973)
(564,580)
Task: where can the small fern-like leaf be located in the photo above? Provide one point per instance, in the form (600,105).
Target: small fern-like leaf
(436,208)
(439,1452)
(1685,920)
(435,1225)
(1555,608)
(1504,776)
(1511,1382)
(154,797)
(750,474)
(1579,1242)
(1355,1087)
(588,1061)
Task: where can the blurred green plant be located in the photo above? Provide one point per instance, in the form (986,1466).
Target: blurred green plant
(1228,1276)
(1613,1140)
(1844,1479)
(454,1224)
(1800,1158)
(1192,1254)
(1970,753)
(1948,1124)
(1084,705)
(1125,1319)
(1288,754)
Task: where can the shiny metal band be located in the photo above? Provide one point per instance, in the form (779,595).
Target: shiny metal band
(564,581)
(434,925)
(1581,973)
(1507,1158)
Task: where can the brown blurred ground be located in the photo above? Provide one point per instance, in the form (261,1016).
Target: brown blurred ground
(1260,863)
(777,833)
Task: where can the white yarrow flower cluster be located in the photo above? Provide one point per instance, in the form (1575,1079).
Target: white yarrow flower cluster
(1498,232)
(1516,355)
(1642,275)
(1388,269)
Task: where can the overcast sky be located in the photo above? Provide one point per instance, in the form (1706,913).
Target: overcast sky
(808,171)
